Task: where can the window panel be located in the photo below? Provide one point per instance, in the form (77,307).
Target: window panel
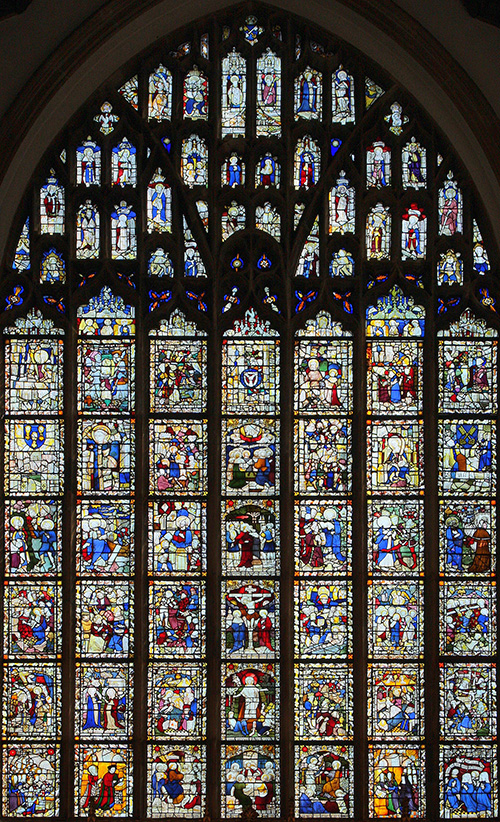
(249,522)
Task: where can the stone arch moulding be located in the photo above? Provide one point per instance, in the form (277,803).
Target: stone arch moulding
(121,29)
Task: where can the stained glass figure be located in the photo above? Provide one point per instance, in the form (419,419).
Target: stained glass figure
(204,46)
(467,537)
(195,98)
(104,696)
(88,163)
(308,95)
(105,375)
(342,97)
(106,119)
(268,114)
(176,700)
(104,624)
(160,94)
(33,376)
(178,375)
(306,163)
(467,457)
(233,171)
(177,457)
(413,233)
(159,204)
(414,165)
(323,374)
(251,30)
(372,92)
(250,537)
(130,91)
(396,119)
(52,206)
(450,208)
(378,165)
(396,780)
(395,315)
(160,264)
(323,702)
(342,264)
(233,219)
(324,781)
(395,457)
(395,532)
(21,261)
(176,774)
(395,619)
(106,315)
(468,704)
(32,701)
(234,90)
(267,172)
(30,780)
(33,537)
(468,618)
(105,538)
(105,454)
(394,377)
(249,451)
(450,268)
(267,218)
(87,231)
(322,537)
(308,265)
(35,457)
(177,617)
(123,164)
(256,769)
(249,619)
(342,206)
(322,628)
(250,696)
(177,532)
(123,232)
(395,701)
(104,774)
(323,457)
(194,161)
(193,263)
(378,233)
(468,369)
(481,260)
(52,267)
(32,619)
(468,782)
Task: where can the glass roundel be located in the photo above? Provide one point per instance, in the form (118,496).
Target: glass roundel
(249,332)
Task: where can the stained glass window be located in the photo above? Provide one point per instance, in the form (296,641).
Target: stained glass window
(249,373)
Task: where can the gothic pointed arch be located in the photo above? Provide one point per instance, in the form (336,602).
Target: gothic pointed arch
(249,331)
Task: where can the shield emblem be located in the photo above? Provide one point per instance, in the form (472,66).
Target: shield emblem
(251,378)
(34,435)
(466,435)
